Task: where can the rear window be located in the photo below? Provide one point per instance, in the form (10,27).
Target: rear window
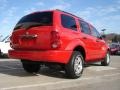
(45,18)
(68,22)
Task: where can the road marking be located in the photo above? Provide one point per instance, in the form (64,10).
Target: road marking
(11,69)
(1,60)
(100,68)
(8,67)
(61,82)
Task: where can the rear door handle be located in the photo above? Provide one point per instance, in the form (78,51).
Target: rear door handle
(97,41)
(28,36)
(84,37)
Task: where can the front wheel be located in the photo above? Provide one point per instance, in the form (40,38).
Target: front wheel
(106,60)
(30,66)
(74,68)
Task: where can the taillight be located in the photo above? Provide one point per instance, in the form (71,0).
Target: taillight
(11,42)
(11,45)
(55,40)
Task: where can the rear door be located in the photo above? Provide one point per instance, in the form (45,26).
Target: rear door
(33,31)
(88,40)
(68,29)
(99,42)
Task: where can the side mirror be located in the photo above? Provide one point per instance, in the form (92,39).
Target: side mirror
(103,36)
(100,37)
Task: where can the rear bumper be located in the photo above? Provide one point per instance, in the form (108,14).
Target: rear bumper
(43,56)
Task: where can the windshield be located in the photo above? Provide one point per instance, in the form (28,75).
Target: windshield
(114,46)
(39,18)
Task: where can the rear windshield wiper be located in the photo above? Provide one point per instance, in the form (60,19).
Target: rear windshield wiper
(18,26)
(28,25)
(31,24)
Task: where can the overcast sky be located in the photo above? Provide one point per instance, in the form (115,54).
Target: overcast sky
(103,14)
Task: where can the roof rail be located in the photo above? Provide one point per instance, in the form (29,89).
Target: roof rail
(69,13)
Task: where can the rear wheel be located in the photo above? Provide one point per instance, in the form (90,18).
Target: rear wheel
(74,68)
(30,66)
(106,60)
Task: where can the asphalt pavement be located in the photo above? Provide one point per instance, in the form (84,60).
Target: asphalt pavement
(95,77)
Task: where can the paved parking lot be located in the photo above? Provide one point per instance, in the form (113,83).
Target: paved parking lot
(95,77)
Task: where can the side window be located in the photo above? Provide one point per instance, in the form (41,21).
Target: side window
(95,33)
(68,22)
(85,27)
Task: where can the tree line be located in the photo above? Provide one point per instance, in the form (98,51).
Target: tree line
(116,38)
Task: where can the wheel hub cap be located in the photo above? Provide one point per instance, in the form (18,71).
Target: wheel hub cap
(78,64)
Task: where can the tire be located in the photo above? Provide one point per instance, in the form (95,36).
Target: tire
(30,66)
(0,54)
(74,68)
(106,60)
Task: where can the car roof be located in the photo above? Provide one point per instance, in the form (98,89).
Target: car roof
(58,11)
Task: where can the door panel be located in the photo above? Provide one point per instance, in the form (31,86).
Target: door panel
(88,39)
(90,46)
(99,43)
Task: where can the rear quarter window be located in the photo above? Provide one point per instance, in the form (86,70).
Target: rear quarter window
(68,22)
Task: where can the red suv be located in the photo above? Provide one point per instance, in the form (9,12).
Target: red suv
(57,37)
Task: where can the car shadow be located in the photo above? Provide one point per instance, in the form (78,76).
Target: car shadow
(14,68)
(92,64)
(115,54)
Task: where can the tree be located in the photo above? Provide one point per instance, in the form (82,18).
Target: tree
(119,38)
(116,38)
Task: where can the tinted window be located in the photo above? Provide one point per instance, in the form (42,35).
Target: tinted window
(68,22)
(85,27)
(45,18)
(95,33)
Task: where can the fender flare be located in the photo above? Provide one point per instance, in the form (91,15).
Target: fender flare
(71,46)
